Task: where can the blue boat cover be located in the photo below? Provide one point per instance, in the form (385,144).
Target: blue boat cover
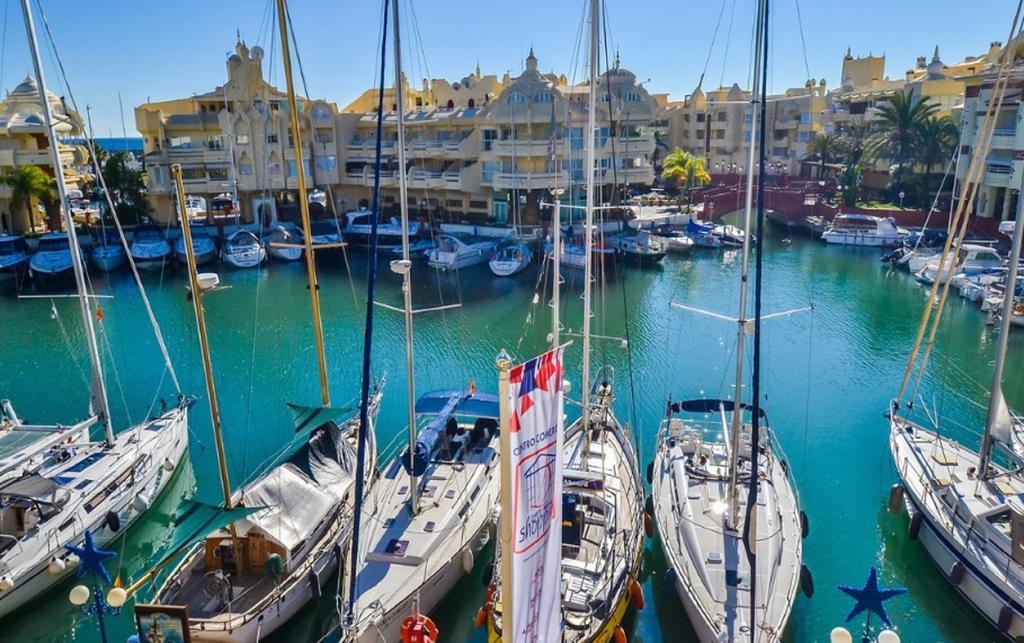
(696,228)
(444,405)
(705,405)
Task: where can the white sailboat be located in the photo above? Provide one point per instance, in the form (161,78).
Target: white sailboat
(726,511)
(434,505)
(100,486)
(965,505)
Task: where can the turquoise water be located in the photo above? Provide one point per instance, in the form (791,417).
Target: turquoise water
(828,376)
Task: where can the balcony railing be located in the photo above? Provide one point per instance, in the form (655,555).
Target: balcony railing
(999,168)
(529,180)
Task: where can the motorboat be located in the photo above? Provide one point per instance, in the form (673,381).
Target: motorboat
(14,258)
(325,232)
(409,560)
(458,250)
(510,257)
(389,233)
(706,555)
(703,235)
(970,259)
(419,248)
(284,243)
(203,245)
(52,258)
(864,230)
(195,207)
(149,247)
(107,253)
(319,197)
(641,247)
(674,237)
(242,249)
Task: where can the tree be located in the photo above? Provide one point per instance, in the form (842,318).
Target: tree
(127,188)
(900,121)
(26,183)
(827,147)
(937,139)
(683,169)
(856,141)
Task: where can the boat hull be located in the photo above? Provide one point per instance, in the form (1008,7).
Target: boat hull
(244,259)
(864,240)
(14,270)
(52,268)
(451,261)
(203,255)
(284,254)
(385,240)
(507,268)
(107,258)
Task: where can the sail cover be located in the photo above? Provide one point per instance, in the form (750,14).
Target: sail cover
(444,405)
(708,405)
(292,504)
(428,436)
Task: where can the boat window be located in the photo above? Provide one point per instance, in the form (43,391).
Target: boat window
(53,244)
(397,547)
(1001,521)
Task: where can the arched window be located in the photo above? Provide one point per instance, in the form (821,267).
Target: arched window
(633,97)
(544,97)
(516,98)
(472,103)
(451,104)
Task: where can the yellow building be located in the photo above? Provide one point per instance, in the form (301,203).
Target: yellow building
(235,140)
(23,141)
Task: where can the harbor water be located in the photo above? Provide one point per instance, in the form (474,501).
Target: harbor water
(828,376)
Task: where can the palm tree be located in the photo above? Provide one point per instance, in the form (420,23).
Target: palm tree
(856,141)
(900,121)
(826,146)
(937,139)
(27,182)
(683,169)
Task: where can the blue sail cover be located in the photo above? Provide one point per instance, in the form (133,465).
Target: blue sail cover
(444,405)
(696,228)
(705,405)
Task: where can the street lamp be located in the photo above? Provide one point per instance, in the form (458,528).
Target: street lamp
(92,564)
(902,194)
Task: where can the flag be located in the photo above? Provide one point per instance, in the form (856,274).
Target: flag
(536,438)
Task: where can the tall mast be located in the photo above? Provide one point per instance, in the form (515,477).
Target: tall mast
(410,381)
(741,326)
(556,281)
(300,179)
(588,260)
(98,404)
(232,177)
(996,399)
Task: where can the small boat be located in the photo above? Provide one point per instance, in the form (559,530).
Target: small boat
(324,232)
(318,197)
(971,259)
(460,250)
(675,239)
(510,257)
(389,233)
(242,249)
(223,204)
(195,207)
(203,245)
(864,230)
(149,248)
(419,248)
(641,247)
(283,242)
(703,235)
(107,253)
(731,235)
(52,259)
(14,258)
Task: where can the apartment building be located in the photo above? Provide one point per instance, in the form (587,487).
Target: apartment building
(484,148)
(235,140)
(23,141)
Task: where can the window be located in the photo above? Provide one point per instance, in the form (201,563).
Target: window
(490,168)
(805,118)
(746,136)
(326,163)
(700,118)
(779,151)
(803,137)
(632,97)
(275,168)
(214,143)
(245,169)
(242,139)
(516,98)
(156,175)
(575,169)
(193,174)
(719,134)
(720,116)
(271,138)
(575,138)
(217,173)
(324,137)
(600,136)
(181,142)
(292,169)
(544,97)
(490,136)
(748,118)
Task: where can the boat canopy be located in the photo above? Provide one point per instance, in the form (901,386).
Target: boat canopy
(478,404)
(698,228)
(709,405)
(32,487)
(445,405)
(292,505)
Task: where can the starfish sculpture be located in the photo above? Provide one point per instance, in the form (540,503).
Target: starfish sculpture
(871,598)
(91,557)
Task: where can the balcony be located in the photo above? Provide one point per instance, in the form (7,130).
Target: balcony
(529,180)
(642,175)
(452,180)
(424,148)
(1004,138)
(526,147)
(997,174)
(426,179)
(365,178)
(635,144)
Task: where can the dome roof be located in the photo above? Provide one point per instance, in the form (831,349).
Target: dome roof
(935,67)
(27,86)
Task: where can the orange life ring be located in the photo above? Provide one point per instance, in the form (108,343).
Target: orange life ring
(419,629)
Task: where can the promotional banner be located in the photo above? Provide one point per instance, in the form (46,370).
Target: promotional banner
(536,431)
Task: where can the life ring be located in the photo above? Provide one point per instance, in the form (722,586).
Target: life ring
(419,629)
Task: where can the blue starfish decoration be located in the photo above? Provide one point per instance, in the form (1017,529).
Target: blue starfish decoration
(91,557)
(871,598)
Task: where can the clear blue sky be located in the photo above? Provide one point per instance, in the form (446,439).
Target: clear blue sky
(160,50)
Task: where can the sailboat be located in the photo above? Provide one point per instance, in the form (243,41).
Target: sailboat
(511,257)
(726,510)
(602,495)
(107,253)
(149,248)
(964,505)
(434,505)
(203,245)
(99,487)
(248,578)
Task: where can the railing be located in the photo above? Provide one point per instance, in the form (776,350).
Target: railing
(1004,131)
(999,168)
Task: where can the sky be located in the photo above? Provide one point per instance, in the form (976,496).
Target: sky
(148,50)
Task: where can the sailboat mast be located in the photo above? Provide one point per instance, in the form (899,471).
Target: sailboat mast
(300,179)
(996,398)
(403,204)
(556,281)
(742,321)
(98,400)
(588,260)
(204,344)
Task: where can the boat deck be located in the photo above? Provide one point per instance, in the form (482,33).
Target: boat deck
(198,593)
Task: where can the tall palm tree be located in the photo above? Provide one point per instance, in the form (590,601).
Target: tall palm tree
(26,182)
(856,141)
(937,139)
(900,120)
(827,147)
(683,169)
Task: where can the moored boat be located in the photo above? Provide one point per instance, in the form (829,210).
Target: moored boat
(864,230)
(52,258)
(460,250)
(149,247)
(106,252)
(242,249)
(203,243)
(284,243)
(14,258)
(510,258)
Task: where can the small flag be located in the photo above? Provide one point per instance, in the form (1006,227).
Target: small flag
(99,312)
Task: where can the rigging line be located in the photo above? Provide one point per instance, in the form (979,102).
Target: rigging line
(3,45)
(803,41)
(728,40)
(711,47)
(91,145)
(295,48)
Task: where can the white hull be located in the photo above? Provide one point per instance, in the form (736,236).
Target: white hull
(107,258)
(855,239)
(507,268)
(285,254)
(150,256)
(676,245)
(245,258)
